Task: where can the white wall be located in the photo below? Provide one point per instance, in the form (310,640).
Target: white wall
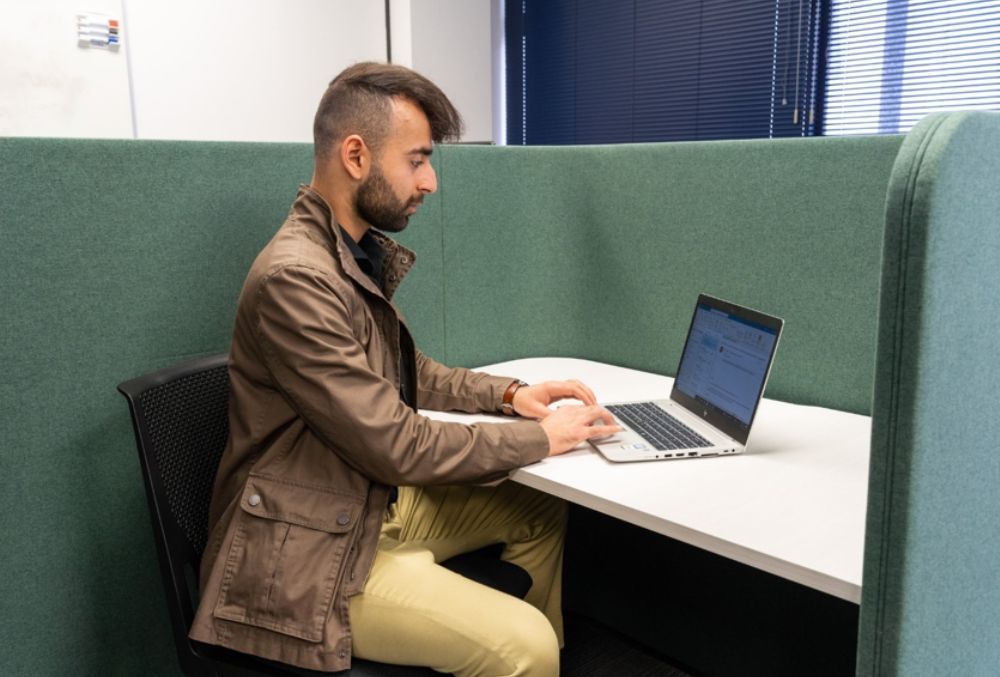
(51,87)
(451,45)
(241,70)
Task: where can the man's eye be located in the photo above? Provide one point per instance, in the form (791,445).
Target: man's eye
(416,163)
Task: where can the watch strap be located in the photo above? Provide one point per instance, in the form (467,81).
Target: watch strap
(507,404)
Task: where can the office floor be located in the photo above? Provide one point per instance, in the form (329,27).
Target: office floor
(594,651)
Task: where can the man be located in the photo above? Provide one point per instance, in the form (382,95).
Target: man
(310,556)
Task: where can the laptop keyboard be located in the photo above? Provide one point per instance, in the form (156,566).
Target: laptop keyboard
(657,426)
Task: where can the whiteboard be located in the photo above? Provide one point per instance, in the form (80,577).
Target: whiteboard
(49,86)
(243,70)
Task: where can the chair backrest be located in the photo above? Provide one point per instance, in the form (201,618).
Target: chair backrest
(181,425)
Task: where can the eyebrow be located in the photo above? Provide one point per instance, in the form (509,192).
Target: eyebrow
(426,151)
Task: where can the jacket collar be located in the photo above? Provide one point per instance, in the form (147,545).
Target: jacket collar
(311,207)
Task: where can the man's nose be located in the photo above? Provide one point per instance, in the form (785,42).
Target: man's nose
(427,182)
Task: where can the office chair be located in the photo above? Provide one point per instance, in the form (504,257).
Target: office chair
(181,425)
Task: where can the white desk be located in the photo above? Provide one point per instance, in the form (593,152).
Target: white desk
(792,505)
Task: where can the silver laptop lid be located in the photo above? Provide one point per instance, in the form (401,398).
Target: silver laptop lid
(725,363)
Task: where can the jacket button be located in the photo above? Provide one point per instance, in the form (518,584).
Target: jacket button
(343,519)
(254,500)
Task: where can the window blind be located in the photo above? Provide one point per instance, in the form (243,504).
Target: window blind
(891,62)
(613,71)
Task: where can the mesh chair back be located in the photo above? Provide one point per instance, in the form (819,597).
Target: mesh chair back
(179,415)
(187,425)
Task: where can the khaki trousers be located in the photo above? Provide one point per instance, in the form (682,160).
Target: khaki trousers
(415,612)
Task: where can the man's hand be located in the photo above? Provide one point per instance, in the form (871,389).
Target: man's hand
(533,401)
(567,426)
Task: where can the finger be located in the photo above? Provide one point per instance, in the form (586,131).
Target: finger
(586,395)
(533,409)
(561,390)
(599,413)
(567,396)
(603,431)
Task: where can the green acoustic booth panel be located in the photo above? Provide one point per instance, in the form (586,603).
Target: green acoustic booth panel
(599,252)
(116,258)
(931,593)
(421,295)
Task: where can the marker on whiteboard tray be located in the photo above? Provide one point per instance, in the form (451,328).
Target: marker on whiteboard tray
(98,30)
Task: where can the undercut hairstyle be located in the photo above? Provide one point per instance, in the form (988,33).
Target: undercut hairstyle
(359,101)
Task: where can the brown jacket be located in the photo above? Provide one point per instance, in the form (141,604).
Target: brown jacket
(318,433)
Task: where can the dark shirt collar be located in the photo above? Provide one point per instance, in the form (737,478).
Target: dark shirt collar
(369,254)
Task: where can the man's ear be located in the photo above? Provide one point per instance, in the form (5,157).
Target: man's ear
(355,156)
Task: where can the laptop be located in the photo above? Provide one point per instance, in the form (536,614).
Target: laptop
(720,381)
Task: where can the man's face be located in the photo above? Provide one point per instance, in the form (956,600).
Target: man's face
(402,174)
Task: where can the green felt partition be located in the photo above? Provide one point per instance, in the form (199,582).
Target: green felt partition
(599,252)
(931,594)
(117,258)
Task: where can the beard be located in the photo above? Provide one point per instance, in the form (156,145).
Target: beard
(377,204)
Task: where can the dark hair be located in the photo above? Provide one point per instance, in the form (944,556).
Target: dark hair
(358,101)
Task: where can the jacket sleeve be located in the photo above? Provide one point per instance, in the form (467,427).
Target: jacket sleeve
(445,388)
(303,328)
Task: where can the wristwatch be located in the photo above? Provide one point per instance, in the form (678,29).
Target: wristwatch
(507,405)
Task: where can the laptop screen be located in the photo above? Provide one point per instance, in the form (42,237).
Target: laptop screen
(725,363)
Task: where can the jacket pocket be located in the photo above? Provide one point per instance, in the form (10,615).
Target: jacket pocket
(287,557)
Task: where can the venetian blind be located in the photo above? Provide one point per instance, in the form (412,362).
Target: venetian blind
(613,71)
(892,62)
